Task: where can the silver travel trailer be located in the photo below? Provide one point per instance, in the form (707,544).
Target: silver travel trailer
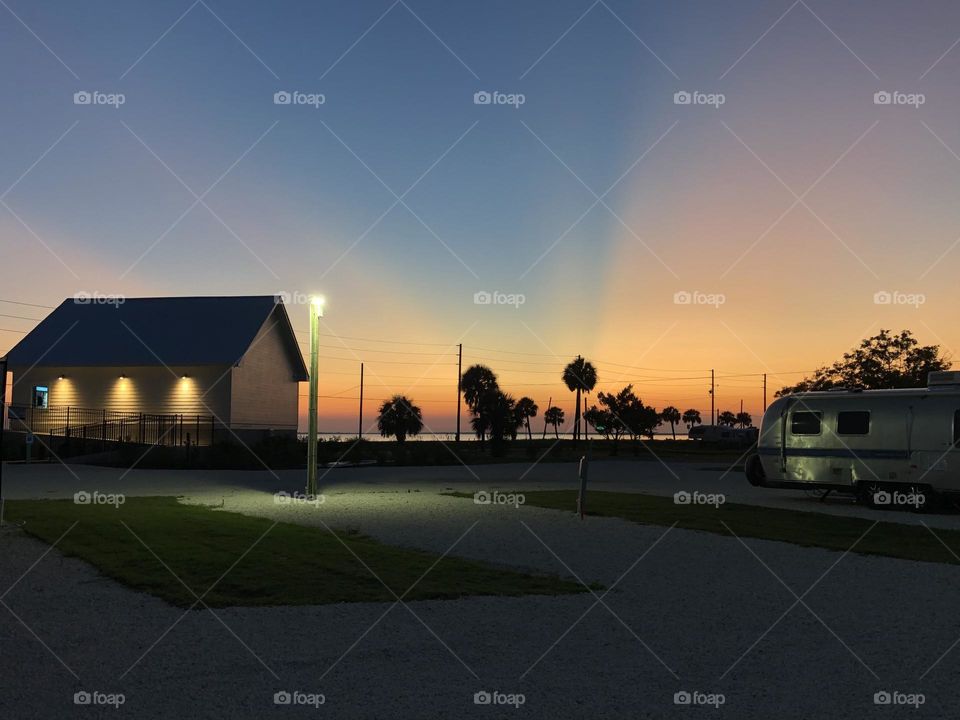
(863,442)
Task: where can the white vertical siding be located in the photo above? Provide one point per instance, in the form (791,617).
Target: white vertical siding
(264,387)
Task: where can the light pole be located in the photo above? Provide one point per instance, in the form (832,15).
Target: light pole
(316,312)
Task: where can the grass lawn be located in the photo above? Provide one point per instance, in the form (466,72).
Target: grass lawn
(812,529)
(291,565)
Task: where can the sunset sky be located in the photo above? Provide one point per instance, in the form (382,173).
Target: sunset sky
(598,199)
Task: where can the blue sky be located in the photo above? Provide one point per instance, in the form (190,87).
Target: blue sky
(501,186)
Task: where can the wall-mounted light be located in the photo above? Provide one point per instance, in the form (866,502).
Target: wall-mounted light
(184,376)
(123,376)
(61,377)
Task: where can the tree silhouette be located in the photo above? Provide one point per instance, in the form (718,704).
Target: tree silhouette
(525,409)
(882,361)
(477,381)
(623,413)
(744,419)
(399,417)
(478,384)
(691,417)
(671,415)
(579,376)
(554,416)
(727,418)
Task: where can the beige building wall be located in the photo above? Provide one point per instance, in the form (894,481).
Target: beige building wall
(205,390)
(265,393)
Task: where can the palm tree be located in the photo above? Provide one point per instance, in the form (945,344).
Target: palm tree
(477,381)
(691,417)
(399,417)
(744,419)
(478,384)
(554,416)
(671,415)
(727,418)
(526,409)
(581,376)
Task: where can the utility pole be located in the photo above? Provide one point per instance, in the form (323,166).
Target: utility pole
(549,403)
(712,398)
(586,428)
(360,424)
(764,392)
(459,378)
(316,312)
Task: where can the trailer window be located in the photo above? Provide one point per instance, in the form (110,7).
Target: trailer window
(853,422)
(806,423)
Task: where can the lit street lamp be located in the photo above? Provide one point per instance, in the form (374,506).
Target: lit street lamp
(316,312)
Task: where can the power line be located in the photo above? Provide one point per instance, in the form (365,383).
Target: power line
(17,302)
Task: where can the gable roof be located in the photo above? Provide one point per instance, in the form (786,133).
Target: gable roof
(154,331)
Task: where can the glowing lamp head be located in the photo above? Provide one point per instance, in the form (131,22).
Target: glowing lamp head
(184,377)
(123,376)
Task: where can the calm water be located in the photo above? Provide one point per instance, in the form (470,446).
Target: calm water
(450,437)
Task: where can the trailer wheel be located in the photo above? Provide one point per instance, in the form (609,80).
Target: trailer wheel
(754,470)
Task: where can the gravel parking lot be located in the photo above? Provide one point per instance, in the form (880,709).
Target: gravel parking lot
(688,612)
